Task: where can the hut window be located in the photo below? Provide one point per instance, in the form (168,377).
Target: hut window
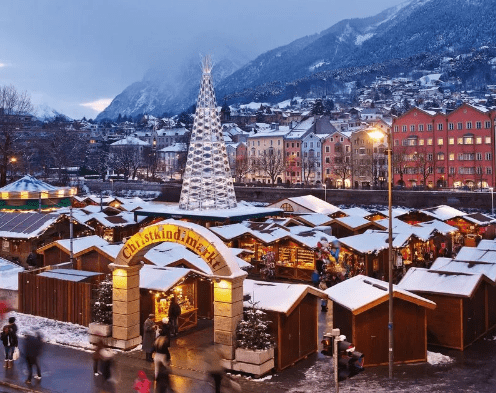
(287,207)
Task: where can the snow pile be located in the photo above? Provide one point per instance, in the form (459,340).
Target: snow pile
(438,358)
(54,332)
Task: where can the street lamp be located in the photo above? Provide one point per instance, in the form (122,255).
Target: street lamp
(379,135)
(325,192)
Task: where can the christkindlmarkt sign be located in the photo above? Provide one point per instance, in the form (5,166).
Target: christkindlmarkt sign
(139,243)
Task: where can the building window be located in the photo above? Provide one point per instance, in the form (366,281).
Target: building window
(306,144)
(421,142)
(478,140)
(429,127)
(396,142)
(440,141)
(396,128)
(298,144)
(469,125)
(421,127)
(287,145)
(327,160)
(287,207)
(459,126)
(429,142)
(478,125)
(488,156)
(489,170)
(439,126)
(412,128)
(468,140)
(327,150)
(403,128)
(412,141)
(440,169)
(429,157)
(478,156)
(451,141)
(452,156)
(478,170)
(440,156)
(452,170)
(451,126)
(488,140)
(459,141)
(487,124)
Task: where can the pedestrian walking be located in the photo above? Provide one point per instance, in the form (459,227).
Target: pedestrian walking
(33,346)
(214,367)
(161,347)
(323,304)
(105,382)
(162,379)
(97,355)
(148,337)
(174,313)
(9,340)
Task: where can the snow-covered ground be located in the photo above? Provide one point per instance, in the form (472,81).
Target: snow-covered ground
(53,332)
(438,358)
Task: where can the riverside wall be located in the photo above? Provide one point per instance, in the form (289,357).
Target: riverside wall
(410,199)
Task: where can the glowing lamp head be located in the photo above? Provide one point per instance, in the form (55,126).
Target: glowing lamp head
(376,135)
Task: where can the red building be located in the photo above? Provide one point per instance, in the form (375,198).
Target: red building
(336,160)
(292,156)
(444,150)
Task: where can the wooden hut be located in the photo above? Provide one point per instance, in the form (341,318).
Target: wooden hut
(461,316)
(352,225)
(361,310)
(293,310)
(307,204)
(193,290)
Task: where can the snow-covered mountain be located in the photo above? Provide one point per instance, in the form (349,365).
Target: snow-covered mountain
(44,113)
(412,28)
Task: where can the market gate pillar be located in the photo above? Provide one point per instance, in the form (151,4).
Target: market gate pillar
(227,276)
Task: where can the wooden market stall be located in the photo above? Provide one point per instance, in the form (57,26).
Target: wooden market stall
(361,311)
(461,316)
(293,310)
(353,225)
(158,285)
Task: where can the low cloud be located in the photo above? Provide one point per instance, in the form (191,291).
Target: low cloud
(98,105)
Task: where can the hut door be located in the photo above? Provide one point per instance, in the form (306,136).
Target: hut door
(205,299)
(290,340)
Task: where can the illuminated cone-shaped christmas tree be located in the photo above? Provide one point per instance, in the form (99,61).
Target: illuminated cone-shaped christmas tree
(207,182)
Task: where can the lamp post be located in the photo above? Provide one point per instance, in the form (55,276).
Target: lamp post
(377,134)
(325,192)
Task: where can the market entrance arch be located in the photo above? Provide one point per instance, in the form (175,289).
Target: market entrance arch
(227,276)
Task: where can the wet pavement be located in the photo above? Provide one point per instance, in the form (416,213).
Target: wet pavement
(69,370)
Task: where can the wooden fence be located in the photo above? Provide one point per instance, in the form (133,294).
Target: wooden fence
(52,298)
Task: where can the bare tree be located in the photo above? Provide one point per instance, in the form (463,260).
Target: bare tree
(271,164)
(342,165)
(422,164)
(308,166)
(126,160)
(400,161)
(241,167)
(14,106)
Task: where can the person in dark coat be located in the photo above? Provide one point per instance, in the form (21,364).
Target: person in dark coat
(9,340)
(97,355)
(33,346)
(148,337)
(162,358)
(174,313)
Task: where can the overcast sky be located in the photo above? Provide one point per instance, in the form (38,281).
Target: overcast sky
(75,56)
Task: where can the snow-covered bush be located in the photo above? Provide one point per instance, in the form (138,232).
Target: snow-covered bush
(252,331)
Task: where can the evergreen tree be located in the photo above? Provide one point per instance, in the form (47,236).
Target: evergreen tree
(102,308)
(318,108)
(252,331)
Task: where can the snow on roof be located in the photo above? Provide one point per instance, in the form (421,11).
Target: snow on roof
(278,297)
(443,212)
(315,204)
(471,254)
(486,244)
(487,269)
(367,242)
(174,148)
(130,140)
(308,236)
(166,253)
(439,226)
(29,183)
(356,211)
(395,212)
(360,291)
(80,243)
(68,274)
(25,225)
(423,280)
(398,225)
(315,219)
(9,272)
(479,219)
(161,278)
(353,221)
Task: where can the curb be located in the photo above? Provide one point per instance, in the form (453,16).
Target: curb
(24,389)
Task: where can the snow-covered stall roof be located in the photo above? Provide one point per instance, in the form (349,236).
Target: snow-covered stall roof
(29,187)
(472,254)
(444,283)
(163,278)
(79,244)
(443,212)
(479,219)
(314,219)
(395,212)
(69,274)
(361,293)
(313,204)
(356,211)
(367,242)
(25,225)
(355,222)
(278,297)
(9,272)
(486,244)
(487,269)
(439,226)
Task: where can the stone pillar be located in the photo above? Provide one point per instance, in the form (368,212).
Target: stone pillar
(228,311)
(126,306)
